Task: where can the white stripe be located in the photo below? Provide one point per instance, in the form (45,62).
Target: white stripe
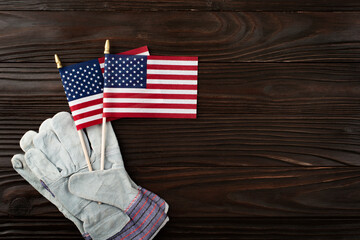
(85,99)
(144,53)
(102,65)
(87,109)
(150,110)
(172,81)
(88,119)
(144,90)
(172,72)
(149,100)
(172,62)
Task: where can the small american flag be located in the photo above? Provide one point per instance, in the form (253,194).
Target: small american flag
(83,85)
(150,86)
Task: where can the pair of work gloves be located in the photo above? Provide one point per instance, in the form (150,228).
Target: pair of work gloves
(103,204)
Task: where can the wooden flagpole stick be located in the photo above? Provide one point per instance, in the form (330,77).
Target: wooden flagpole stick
(58,64)
(103,137)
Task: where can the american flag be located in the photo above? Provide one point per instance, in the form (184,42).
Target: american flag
(83,85)
(150,86)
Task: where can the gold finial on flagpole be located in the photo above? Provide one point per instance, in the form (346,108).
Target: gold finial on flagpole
(58,62)
(107,47)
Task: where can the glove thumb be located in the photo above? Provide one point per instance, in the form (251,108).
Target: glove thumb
(107,186)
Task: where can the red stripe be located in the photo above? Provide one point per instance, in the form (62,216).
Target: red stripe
(171,67)
(171,86)
(153,224)
(135,51)
(149,105)
(87,114)
(140,224)
(150,95)
(109,119)
(181,58)
(130,52)
(171,76)
(86,104)
(147,198)
(88,124)
(148,115)
(140,208)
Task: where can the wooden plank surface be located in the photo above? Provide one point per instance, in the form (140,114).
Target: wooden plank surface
(199,228)
(220,192)
(182,5)
(274,152)
(258,114)
(214,37)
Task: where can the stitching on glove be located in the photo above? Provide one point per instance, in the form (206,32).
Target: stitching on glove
(46,187)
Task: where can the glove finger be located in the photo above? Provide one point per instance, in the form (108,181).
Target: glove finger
(26,142)
(20,166)
(50,145)
(40,166)
(65,130)
(45,125)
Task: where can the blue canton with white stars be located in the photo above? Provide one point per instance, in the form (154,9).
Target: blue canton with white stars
(82,79)
(125,71)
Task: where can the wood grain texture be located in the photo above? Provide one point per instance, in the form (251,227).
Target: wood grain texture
(177,5)
(274,153)
(199,228)
(249,114)
(219,192)
(220,36)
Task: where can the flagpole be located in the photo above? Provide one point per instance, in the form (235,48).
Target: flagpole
(80,133)
(103,137)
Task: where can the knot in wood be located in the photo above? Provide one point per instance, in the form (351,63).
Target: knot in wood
(19,207)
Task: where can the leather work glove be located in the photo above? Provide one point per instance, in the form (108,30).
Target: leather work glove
(54,164)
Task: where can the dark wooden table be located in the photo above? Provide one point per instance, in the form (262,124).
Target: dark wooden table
(275,150)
